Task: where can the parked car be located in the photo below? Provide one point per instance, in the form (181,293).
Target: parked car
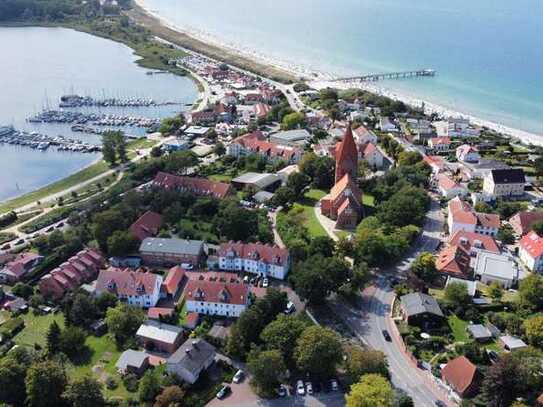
(49,229)
(309,388)
(223,392)
(265,283)
(187,266)
(238,377)
(282,391)
(386,335)
(290,308)
(493,356)
(20,241)
(6,247)
(300,389)
(334,386)
(246,279)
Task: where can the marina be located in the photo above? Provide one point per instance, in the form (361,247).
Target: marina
(96,119)
(69,101)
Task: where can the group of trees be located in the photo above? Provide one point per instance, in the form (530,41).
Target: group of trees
(171,125)
(55,10)
(114,147)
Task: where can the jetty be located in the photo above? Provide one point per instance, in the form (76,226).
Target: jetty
(70,101)
(71,117)
(43,142)
(374,77)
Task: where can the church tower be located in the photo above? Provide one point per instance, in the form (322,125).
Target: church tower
(346,156)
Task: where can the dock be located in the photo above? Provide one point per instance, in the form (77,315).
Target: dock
(374,77)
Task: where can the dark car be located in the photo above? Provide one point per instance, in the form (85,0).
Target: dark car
(493,356)
(387,336)
(6,247)
(20,241)
(223,392)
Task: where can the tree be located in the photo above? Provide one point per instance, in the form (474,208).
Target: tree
(123,321)
(171,124)
(84,392)
(12,381)
(319,169)
(107,222)
(282,335)
(45,378)
(530,292)
(120,145)
(405,207)
(361,362)
(409,158)
(456,295)
(322,245)
(82,311)
(22,290)
(72,341)
(293,121)
(219,149)
(506,234)
(424,267)
(317,277)
(171,396)
(121,243)
(266,367)
(104,301)
(534,330)
(495,291)
(235,223)
(373,390)
(537,227)
(53,338)
(318,351)
(538,165)
(504,382)
(149,386)
(108,148)
(297,182)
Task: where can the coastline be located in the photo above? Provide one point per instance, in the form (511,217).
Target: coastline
(321,80)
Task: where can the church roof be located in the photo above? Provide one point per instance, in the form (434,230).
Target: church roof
(347,150)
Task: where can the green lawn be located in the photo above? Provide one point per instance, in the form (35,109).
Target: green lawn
(36,327)
(183,314)
(83,175)
(308,205)
(368,200)
(458,328)
(220,178)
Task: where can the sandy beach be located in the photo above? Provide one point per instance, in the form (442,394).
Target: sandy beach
(321,80)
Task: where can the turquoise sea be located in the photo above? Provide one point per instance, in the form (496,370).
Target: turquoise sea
(488,53)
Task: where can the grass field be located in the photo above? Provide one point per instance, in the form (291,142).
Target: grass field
(56,187)
(308,204)
(36,327)
(458,328)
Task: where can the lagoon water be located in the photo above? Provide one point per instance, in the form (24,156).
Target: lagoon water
(488,53)
(38,65)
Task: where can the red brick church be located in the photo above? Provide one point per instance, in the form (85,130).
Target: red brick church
(344,202)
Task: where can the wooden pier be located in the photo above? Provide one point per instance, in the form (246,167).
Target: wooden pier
(392,75)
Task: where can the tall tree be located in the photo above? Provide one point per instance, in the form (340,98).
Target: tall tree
(282,335)
(504,382)
(373,390)
(84,392)
(360,362)
(45,383)
(12,381)
(171,396)
(108,148)
(318,351)
(266,367)
(530,292)
(53,338)
(123,321)
(149,386)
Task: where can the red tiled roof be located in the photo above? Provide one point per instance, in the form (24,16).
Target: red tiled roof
(198,186)
(459,373)
(532,243)
(262,110)
(370,148)
(173,279)
(156,312)
(19,266)
(148,225)
(440,140)
(434,160)
(488,220)
(487,242)
(346,151)
(263,252)
(191,320)
(125,282)
(361,132)
(522,222)
(446,183)
(156,360)
(339,188)
(462,212)
(453,260)
(214,291)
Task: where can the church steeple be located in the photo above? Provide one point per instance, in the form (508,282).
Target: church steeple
(346,156)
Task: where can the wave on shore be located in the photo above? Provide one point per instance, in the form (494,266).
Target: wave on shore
(320,80)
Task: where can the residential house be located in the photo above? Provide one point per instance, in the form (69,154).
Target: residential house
(479,332)
(194,185)
(386,125)
(474,242)
(468,154)
(173,282)
(157,313)
(420,309)
(16,269)
(373,156)
(511,343)
(79,269)
(221,298)
(261,110)
(454,261)
(448,188)
(492,267)
(461,376)
(455,127)
(160,337)
(505,183)
(436,163)
(293,138)
(522,222)
(364,136)
(257,182)
(531,251)
(256,258)
(170,252)
(461,216)
(147,225)
(132,361)
(136,288)
(203,118)
(440,144)
(192,358)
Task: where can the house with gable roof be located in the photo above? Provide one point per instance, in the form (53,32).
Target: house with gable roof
(256,258)
(228,299)
(531,251)
(19,267)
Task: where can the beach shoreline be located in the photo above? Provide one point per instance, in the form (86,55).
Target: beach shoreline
(321,80)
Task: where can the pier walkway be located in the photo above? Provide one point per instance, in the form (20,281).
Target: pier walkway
(392,75)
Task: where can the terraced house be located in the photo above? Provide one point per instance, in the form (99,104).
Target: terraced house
(217,297)
(256,258)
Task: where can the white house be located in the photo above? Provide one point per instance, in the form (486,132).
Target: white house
(135,288)
(386,125)
(448,188)
(362,135)
(491,267)
(256,258)
(461,216)
(216,298)
(468,154)
(506,182)
(440,144)
(455,127)
(373,156)
(531,251)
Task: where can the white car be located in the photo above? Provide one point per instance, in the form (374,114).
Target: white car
(265,283)
(309,388)
(238,377)
(300,389)
(187,266)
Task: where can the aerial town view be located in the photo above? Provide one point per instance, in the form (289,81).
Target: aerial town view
(238,203)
